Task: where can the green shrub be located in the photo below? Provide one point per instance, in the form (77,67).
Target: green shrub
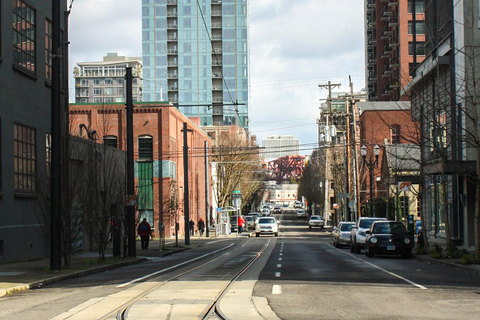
(468,258)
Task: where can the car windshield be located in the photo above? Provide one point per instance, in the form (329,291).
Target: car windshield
(266,220)
(367,223)
(249,218)
(389,228)
(315,218)
(346,227)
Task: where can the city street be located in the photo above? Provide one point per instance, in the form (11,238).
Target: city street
(297,275)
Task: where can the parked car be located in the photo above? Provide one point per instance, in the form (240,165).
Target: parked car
(297,204)
(250,222)
(301,213)
(388,237)
(266,225)
(233,223)
(316,221)
(256,215)
(341,233)
(265,212)
(358,233)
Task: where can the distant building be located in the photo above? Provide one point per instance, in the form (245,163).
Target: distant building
(280,146)
(104,81)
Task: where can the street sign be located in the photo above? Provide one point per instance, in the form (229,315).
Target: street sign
(236,191)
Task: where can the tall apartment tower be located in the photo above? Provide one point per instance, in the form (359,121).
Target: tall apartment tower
(195,55)
(395,45)
(104,81)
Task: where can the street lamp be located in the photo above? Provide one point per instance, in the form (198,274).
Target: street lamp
(371,164)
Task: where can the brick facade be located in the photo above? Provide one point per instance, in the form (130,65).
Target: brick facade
(161,122)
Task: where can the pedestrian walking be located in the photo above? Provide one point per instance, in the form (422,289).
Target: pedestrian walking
(192,227)
(145,232)
(201,226)
(241,223)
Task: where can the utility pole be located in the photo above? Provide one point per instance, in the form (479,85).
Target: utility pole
(329,86)
(186,206)
(130,219)
(207,194)
(56,131)
(161,224)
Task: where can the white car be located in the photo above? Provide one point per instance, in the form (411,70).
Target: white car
(301,213)
(265,212)
(316,221)
(266,225)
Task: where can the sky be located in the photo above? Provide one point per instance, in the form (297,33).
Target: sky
(294,47)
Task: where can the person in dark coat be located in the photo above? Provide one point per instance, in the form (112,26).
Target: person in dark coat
(145,232)
(201,226)
(192,227)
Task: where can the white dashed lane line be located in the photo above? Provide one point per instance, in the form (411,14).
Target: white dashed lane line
(279,265)
(277,274)
(276,289)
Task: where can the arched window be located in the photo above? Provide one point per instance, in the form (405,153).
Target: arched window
(110,141)
(145,148)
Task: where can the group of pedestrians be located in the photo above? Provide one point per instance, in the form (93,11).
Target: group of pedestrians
(144,230)
(200,225)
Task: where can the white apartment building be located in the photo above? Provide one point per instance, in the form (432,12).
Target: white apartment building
(104,81)
(280,146)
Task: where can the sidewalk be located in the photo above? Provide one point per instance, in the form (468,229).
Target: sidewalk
(22,276)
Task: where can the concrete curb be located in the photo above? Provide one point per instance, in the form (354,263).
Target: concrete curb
(471,269)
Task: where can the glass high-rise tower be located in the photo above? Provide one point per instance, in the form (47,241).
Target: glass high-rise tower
(195,55)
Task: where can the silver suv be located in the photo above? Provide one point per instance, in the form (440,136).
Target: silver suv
(358,233)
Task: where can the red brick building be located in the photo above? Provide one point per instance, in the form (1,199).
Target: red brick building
(382,124)
(158,139)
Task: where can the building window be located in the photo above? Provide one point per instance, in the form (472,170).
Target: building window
(119,81)
(119,90)
(108,91)
(419,49)
(108,99)
(145,148)
(97,100)
(419,27)
(108,81)
(419,6)
(97,91)
(411,66)
(48,50)
(24,170)
(395,133)
(24,36)
(96,81)
(110,141)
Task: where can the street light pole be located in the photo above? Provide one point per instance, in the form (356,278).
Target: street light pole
(371,164)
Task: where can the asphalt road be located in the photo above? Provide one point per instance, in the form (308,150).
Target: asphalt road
(299,275)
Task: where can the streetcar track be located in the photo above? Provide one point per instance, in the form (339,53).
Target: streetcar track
(212,310)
